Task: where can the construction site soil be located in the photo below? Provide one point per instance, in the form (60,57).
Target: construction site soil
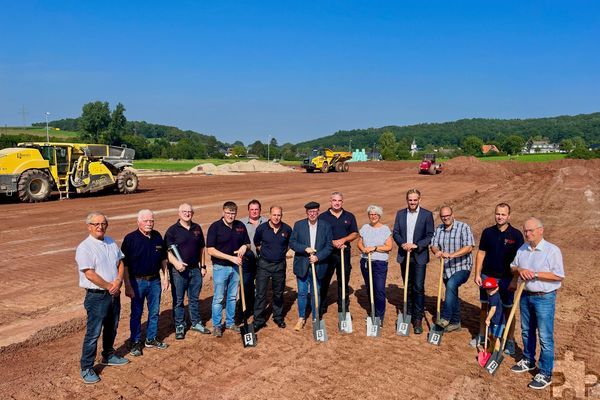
(42,320)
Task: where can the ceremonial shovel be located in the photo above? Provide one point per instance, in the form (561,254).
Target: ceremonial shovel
(435,334)
(345,320)
(246,331)
(318,326)
(373,322)
(403,323)
(498,355)
(484,356)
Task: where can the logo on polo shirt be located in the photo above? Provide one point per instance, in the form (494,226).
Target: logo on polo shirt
(509,241)
(239,229)
(283,234)
(347,222)
(158,247)
(196,232)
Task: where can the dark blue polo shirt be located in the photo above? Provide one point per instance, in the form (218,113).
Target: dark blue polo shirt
(189,242)
(500,250)
(273,246)
(143,255)
(226,239)
(342,226)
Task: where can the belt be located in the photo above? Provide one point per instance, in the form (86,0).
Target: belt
(97,290)
(147,277)
(538,293)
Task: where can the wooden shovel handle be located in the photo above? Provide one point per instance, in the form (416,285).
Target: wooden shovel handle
(371,280)
(512,313)
(242,295)
(343,277)
(406,277)
(439,297)
(316,295)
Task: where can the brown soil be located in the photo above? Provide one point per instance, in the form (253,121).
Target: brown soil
(42,318)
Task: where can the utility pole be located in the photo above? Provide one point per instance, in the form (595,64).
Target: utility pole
(350,146)
(47,134)
(269,149)
(23,113)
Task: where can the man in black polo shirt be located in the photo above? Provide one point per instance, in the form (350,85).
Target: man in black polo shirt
(272,241)
(145,274)
(186,275)
(345,230)
(497,249)
(226,241)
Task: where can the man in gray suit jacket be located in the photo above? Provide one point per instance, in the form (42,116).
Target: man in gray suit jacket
(311,241)
(413,230)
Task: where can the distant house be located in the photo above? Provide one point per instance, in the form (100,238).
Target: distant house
(487,148)
(540,146)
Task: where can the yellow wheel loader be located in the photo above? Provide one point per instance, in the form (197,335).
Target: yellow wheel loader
(33,170)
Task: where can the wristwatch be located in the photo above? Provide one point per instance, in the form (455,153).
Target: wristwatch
(535,275)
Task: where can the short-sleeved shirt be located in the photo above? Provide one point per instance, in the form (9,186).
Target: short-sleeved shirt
(251,228)
(273,245)
(225,239)
(143,255)
(500,249)
(341,226)
(546,257)
(496,301)
(375,237)
(190,242)
(450,241)
(102,256)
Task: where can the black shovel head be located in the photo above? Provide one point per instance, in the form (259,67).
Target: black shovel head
(403,324)
(494,362)
(248,335)
(319,330)
(434,336)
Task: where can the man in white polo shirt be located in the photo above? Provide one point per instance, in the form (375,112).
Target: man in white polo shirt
(540,264)
(101,269)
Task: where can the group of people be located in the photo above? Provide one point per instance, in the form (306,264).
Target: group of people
(148,264)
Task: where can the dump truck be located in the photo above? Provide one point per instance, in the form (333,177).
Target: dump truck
(31,171)
(326,160)
(429,165)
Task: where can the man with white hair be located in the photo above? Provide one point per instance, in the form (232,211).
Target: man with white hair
(145,275)
(101,275)
(540,264)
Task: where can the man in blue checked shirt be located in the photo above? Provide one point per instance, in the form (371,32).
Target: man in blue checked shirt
(453,241)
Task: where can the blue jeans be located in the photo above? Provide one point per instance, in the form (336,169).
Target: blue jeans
(537,316)
(451,308)
(227,280)
(151,291)
(305,286)
(416,289)
(103,311)
(189,280)
(380,269)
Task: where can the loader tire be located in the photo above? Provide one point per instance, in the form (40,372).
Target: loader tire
(325,168)
(346,167)
(34,186)
(339,167)
(127,181)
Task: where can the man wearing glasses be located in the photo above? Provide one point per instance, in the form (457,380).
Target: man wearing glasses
(453,241)
(227,241)
(100,265)
(186,238)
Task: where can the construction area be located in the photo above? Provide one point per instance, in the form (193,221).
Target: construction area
(42,319)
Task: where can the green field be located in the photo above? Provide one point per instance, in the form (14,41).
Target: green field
(37,131)
(527,157)
(164,164)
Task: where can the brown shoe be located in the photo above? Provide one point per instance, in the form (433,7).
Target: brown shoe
(300,324)
(418,327)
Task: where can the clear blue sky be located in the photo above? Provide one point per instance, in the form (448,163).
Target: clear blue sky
(299,70)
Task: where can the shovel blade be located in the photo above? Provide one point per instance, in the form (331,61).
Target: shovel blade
(403,324)
(248,335)
(434,336)
(345,322)
(483,358)
(494,362)
(373,326)
(319,331)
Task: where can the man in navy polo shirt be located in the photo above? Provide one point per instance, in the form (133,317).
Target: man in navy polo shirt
(497,248)
(186,275)
(345,230)
(227,241)
(272,241)
(145,274)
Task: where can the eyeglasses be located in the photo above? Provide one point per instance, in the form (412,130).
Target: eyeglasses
(148,221)
(446,216)
(186,212)
(229,213)
(97,224)
(373,215)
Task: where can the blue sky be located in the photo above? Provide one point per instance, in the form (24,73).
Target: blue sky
(299,70)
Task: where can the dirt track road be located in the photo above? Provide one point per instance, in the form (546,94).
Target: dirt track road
(41,312)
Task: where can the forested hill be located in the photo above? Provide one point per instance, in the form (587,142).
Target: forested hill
(586,126)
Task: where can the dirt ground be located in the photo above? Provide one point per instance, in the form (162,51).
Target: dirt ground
(42,318)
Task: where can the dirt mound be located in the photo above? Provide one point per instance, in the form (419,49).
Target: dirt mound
(471,166)
(239,167)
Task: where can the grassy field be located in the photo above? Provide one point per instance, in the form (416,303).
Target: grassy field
(37,131)
(526,157)
(164,164)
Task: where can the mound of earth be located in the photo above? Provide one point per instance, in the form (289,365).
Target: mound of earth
(239,167)
(472,166)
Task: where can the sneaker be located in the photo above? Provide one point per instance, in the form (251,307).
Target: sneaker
(233,328)
(477,341)
(156,344)
(510,347)
(89,376)
(540,381)
(136,349)
(114,360)
(198,327)
(452,327)
(217,332)
(300,324)
(281,324)
(442,323)
(523,366)
(418,327)
(180,332)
